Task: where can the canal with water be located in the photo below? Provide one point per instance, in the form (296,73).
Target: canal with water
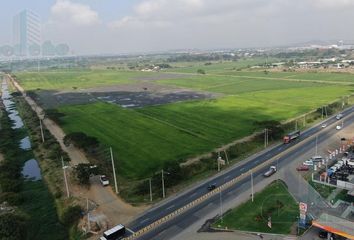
(30,170)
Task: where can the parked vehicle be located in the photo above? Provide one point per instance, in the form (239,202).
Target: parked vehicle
(338,127)
(302,168)
(114,233)
(322,234)
(317,158)
(308,163)
(291,136)
(104,180)
(270,172)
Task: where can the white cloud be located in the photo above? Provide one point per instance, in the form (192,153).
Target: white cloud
(67,12)
(180,24)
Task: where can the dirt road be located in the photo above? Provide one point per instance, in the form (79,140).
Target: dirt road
(75,154)
(110,206)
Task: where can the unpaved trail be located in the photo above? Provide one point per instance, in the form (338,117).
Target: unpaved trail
(109,204)
(75,154)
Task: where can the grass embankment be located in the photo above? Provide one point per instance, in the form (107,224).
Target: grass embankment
(32,199)
(274,201)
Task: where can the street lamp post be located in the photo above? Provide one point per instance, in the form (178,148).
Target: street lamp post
(114,171)
(65,179)
(150,189)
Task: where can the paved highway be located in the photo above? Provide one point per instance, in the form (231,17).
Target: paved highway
(185,219)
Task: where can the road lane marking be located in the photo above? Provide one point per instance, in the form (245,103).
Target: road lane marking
(192,195)
(129,230)
(145,220)
(241,170)
(190,205)
(170,207)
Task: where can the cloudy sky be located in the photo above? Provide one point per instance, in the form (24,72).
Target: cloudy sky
(121,26)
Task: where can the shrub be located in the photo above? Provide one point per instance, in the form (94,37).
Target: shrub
(71,215)
(11,197)
(12,226)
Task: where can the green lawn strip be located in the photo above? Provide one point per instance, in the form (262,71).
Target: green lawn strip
(322,189)
(234,85)
(216,66)
(309,76)
(343,195)
(43,218)
(274,201)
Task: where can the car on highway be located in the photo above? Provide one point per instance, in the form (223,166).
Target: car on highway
(339,116)
(211,187)
(104,180)
(270,171)
(302,168)
(338,127)
(323,125)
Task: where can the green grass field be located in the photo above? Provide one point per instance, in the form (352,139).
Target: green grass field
(67,80)
(145,138)
(217,66)
(274,201)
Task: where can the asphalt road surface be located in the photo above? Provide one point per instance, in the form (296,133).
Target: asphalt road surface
(187,218)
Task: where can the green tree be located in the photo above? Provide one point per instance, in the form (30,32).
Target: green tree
(200,71)
(12,226)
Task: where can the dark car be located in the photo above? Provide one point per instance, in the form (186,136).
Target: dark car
(302,168)
(211,187)
(322,234)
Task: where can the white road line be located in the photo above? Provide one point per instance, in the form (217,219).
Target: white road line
(170,207)
(145,220)
(227,177)
(192,195)
(131,231)
(242,169)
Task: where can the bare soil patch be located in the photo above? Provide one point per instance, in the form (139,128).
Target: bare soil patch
(128,96)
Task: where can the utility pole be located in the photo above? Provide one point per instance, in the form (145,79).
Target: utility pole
(227,158)
(304,120)
(88,215)
(295,125)
(65,179)
(221,210)
(42,134)
(163,184)
(265,137)
(252,192)
(150,189)
(114,171)
(326,111)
